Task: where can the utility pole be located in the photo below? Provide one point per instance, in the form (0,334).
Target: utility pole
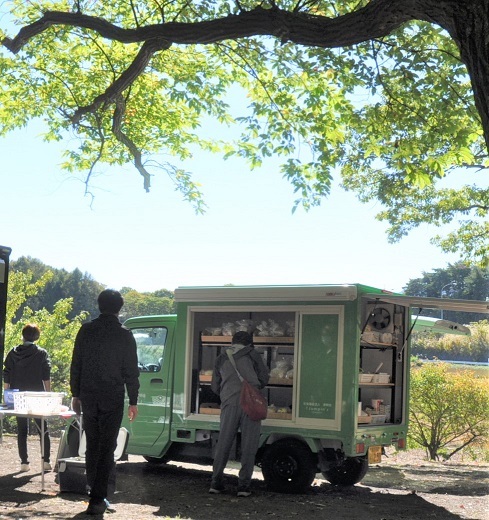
(441,292)
(4,270)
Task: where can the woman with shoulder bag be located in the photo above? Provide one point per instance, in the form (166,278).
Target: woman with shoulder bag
(239,362)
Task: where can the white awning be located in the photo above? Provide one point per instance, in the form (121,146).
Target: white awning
(427,324)
(275,293)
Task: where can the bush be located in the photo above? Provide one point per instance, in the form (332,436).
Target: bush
(449,409)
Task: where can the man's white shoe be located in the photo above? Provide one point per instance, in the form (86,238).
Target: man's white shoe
(47,466)
(24,468)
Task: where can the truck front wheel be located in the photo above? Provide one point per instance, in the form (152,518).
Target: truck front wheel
(288,466)
(156,460)
(348,473)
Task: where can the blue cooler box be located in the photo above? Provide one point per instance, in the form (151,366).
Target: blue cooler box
(8,395)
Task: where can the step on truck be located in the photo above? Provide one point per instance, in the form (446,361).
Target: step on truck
(338,392)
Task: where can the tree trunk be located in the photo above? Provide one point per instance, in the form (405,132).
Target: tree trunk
(467,22)
(473,42)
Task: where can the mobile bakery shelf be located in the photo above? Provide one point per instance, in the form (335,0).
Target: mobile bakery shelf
(265,342)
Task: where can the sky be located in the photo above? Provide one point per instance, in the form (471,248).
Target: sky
(126,237)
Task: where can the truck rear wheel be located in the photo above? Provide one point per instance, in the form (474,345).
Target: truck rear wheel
(288,466)
(348,473)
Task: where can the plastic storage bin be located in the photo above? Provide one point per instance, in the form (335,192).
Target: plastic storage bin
(377,419)
(382,379)
(365,378)
(41,403)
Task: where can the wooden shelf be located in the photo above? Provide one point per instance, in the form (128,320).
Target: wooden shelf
(364,419)
(270,415)
(273,381)
(376,344)
(214,339)
(375,384)
(257,340)
(273,340)
(280,381)
(278,415)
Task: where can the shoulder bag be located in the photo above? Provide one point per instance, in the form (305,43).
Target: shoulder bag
(252,402)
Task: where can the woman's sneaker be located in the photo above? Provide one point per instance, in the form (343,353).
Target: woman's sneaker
(216,490)
(24,468)
(47,466)
(244,492)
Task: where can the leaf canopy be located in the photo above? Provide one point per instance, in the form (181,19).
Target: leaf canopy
(391,114)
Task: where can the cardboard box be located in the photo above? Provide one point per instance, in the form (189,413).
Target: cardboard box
(209,411)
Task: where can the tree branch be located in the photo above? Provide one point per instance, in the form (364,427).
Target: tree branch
(125,80)
(97,158)
(379,18)
(120,109)
(467,22)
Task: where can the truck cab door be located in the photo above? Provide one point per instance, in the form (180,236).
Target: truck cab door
(149,432)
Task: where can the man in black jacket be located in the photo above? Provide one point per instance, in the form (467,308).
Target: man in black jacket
(103,366)
(28,368)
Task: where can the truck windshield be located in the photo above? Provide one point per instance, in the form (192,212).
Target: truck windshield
(151,346)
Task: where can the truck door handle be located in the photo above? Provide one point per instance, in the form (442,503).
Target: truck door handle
(155,381)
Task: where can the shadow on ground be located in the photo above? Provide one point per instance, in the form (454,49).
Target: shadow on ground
(146,491)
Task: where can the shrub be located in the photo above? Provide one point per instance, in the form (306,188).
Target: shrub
(449,409)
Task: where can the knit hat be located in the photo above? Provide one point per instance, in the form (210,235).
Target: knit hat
(243,338)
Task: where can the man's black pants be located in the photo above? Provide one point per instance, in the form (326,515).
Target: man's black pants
(101,421)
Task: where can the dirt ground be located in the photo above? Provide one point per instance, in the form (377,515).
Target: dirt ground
(403,487)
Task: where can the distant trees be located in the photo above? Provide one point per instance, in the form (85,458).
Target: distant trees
(459,281)
(144,304)
(59,301)
(84,290)
(81,287)
(58,329)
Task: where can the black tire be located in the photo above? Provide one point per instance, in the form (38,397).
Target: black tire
(288,466)
(350,472)
(156,460)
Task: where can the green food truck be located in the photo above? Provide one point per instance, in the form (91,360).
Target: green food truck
(339,376)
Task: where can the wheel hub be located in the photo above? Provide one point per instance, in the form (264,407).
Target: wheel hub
(285,467)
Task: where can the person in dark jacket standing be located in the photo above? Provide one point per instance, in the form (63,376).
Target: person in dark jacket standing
(104,365)
(227,385)
(28,368)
